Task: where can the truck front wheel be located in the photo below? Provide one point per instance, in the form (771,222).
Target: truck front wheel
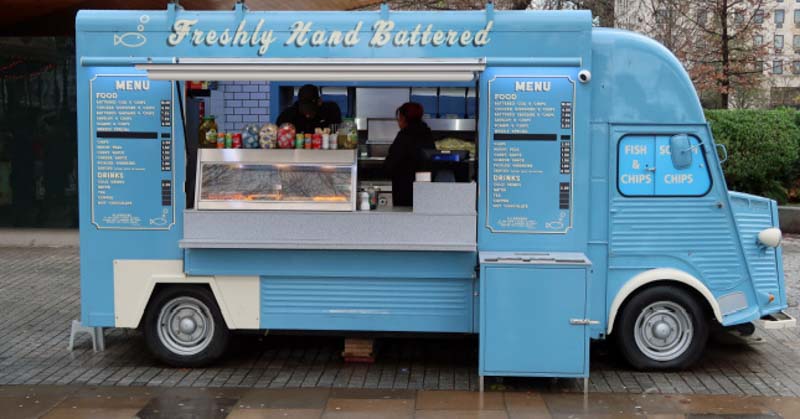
(662,328)
(184,328)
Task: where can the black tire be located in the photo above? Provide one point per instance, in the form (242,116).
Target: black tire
(214,341)
(666,298)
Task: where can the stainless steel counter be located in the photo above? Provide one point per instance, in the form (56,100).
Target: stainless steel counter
(395,229)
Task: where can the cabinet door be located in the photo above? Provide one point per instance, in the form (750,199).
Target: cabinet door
(525,321)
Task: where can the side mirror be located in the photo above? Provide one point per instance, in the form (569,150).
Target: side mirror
(681,151)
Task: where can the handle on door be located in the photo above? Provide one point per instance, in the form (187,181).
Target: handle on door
(583,322)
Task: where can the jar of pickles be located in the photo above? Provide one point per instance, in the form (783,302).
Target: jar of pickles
(347,137)
(208,132)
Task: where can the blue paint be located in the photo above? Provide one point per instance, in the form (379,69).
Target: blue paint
(525,321)
(326,263)
(367,303)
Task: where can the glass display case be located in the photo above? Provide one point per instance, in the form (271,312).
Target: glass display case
(275,179)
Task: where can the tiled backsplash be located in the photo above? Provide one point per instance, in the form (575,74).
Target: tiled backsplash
(238,103)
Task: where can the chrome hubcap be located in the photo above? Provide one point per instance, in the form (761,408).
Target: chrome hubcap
(185,326)
(663,331)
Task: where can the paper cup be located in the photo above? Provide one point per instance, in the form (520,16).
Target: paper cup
(423,176)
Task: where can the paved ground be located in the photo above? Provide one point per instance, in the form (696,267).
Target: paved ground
(149,403)
(39,296)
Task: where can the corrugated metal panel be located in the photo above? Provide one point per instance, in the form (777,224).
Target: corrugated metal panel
(754,214)
(399,304)
(694,230)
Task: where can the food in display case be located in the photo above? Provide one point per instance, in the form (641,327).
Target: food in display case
(286,134)
(277,180)
(268,135)
(250,136)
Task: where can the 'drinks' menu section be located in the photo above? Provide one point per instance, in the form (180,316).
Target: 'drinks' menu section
(530,151)
(132,158)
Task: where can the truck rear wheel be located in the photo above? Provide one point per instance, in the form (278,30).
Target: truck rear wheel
(661,328)
(183,327)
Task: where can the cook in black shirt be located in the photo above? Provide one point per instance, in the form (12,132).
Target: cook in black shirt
(405,156)
(310,112)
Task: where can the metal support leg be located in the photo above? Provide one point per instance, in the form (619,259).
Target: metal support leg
(98,343)
(480,384)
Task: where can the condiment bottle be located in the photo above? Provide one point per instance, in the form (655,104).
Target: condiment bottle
(364,201)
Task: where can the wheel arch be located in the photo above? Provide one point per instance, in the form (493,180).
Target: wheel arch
(661,276)
(137,281)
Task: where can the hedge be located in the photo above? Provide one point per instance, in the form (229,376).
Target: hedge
(763,149)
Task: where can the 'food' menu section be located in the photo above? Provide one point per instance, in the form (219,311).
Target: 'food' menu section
(132,123)
(530,151)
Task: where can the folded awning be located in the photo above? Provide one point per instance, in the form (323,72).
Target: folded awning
(322,69)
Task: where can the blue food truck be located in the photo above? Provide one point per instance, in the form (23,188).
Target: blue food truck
(585,199)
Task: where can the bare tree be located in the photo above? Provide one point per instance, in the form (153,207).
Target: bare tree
(728,53)
(663,20)
(603,10)
(454,4)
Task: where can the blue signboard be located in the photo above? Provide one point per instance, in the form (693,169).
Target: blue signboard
(530,149)
(646,169)
(131,126)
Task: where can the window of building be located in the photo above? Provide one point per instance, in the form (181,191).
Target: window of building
(797,15)
(760,66)
(796,42)
(778,42)
(758,40)
(796,67)
(779,18)
(777,67)
(702,16)
(662,15)
(645,168)
(739,17)
(759,16)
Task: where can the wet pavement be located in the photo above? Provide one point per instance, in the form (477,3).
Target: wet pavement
(114,402)
(39,296)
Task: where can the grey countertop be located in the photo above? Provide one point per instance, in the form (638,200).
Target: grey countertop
(389,229)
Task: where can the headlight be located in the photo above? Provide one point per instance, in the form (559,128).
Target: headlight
(770,237)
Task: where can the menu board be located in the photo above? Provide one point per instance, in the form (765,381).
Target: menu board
(132,153)
(530,151)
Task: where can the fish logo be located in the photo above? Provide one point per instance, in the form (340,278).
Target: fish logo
(130,39)
(133,39)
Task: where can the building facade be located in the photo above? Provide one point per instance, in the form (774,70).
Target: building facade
(776,30)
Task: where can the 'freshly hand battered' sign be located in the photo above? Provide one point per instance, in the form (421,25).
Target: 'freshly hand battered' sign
(304,34)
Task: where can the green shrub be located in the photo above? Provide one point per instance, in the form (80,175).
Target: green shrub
(763,149)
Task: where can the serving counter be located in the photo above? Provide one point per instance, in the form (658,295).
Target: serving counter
(443,219)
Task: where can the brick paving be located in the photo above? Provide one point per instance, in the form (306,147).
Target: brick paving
(39,297)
